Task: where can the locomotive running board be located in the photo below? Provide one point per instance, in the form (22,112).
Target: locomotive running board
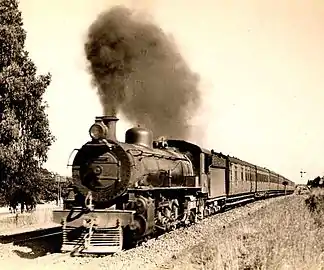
(105,218)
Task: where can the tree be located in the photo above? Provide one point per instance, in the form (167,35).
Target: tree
(25,136)
(47,188)
(316,182)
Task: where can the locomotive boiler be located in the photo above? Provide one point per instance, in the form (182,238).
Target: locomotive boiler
(106,168)
(126,192)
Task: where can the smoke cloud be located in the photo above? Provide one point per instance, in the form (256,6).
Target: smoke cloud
(139,71)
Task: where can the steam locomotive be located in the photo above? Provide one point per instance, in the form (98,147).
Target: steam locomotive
(124,193)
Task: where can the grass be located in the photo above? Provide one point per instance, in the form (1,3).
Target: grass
(287,234)
(16,221)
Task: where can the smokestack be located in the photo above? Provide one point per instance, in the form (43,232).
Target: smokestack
(110,122)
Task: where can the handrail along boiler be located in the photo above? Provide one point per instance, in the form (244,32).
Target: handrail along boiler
(123,193)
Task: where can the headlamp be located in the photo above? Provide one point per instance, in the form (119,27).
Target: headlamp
(97,131)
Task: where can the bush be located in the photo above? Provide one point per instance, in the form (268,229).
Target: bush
(315,204)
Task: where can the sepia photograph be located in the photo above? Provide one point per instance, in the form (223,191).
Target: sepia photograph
(161,134)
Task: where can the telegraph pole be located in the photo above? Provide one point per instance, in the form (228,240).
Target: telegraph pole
(301,174)
(57,180)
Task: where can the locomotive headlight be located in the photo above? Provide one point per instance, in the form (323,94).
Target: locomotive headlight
(97,131)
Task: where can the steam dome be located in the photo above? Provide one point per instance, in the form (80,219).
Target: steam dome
(140,136)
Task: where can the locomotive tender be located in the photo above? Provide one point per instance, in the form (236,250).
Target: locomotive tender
(126,192)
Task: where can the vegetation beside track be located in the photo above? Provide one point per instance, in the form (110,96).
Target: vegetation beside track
(287,234)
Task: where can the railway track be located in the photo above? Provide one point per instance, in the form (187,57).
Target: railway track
(33,235)
(40,242)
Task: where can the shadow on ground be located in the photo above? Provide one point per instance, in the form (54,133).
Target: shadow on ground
(34,247)
(38,248)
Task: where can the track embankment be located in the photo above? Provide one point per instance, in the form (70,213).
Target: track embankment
(284,235)
(186,248)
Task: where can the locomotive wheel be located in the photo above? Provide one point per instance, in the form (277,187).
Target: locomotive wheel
(140,225)
(128,238)
(193,217)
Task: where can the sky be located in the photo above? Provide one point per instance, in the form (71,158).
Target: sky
(261,65)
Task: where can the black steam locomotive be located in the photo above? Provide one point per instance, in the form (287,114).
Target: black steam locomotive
(124,193)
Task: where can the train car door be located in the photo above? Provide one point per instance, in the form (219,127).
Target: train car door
(217,184)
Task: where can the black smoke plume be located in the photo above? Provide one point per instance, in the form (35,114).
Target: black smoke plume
(138,70)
